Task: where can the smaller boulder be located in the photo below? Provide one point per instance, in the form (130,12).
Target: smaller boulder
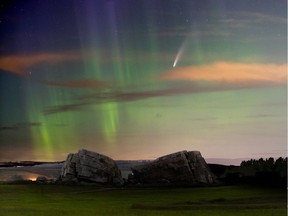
(91,167)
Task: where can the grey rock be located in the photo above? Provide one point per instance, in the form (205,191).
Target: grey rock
(180,167)
(87,166)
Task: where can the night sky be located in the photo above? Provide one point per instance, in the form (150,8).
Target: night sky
(138,79)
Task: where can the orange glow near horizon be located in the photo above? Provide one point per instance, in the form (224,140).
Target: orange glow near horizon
(229,72)
(32,178)
(18,64)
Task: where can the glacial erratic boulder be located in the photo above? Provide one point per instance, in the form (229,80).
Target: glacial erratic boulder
(92,167)
(177,168)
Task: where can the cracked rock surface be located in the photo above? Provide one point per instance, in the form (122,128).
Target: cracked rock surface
(87,166)
(180,167)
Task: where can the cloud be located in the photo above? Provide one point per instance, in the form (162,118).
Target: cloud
(237,26)
(263,116)
(229,72)
(211,31)
(20,64)
(18,126)
(244,19)
(223,26)
(64,108)
(79,84)
(254,17)
(129,96)
(204,119)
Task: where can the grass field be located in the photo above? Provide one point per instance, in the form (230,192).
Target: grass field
(61,200)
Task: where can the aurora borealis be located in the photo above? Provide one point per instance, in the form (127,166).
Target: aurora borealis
(140,79)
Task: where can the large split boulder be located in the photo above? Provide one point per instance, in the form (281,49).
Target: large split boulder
(177,168)
(87,166)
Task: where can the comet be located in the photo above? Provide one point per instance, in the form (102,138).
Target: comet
(179,54)
(181,50)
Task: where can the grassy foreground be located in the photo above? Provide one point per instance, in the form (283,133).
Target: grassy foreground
(61,200)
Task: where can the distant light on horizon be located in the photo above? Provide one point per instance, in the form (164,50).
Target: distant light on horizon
(32,178)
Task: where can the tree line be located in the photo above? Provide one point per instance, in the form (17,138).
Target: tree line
(278,166)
